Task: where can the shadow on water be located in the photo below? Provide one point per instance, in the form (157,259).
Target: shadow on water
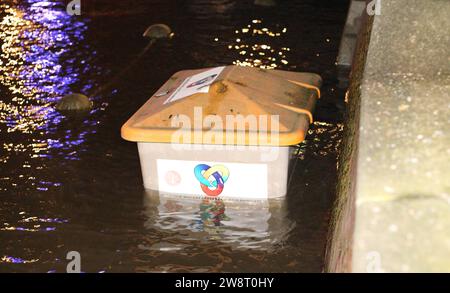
(71,183)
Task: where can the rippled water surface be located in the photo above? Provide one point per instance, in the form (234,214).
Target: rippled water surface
(71,183)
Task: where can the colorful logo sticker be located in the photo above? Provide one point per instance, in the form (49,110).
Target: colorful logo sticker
(218,174)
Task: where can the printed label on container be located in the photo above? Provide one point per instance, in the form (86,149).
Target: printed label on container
(195,84)
(213,179)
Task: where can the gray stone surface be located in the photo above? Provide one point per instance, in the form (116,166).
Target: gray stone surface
(411,37)
(403,170)
(349,39)
(351,30)
(409,234)
(404,146)
(401,177)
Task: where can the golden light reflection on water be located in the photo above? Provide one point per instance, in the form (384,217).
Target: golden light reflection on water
(41,59)
(251,44)
(26,223)
(27,117)
(323,139)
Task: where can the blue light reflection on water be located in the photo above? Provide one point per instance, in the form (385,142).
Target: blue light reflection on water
(43,57)
(15,260)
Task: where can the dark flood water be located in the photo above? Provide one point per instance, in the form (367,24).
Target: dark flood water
(72,184)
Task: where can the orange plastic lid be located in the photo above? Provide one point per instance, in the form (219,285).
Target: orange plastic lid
(228,105)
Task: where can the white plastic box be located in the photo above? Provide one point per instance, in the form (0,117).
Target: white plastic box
(223,132)
(250,175)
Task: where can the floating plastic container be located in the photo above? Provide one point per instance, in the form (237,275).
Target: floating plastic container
(223,132)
